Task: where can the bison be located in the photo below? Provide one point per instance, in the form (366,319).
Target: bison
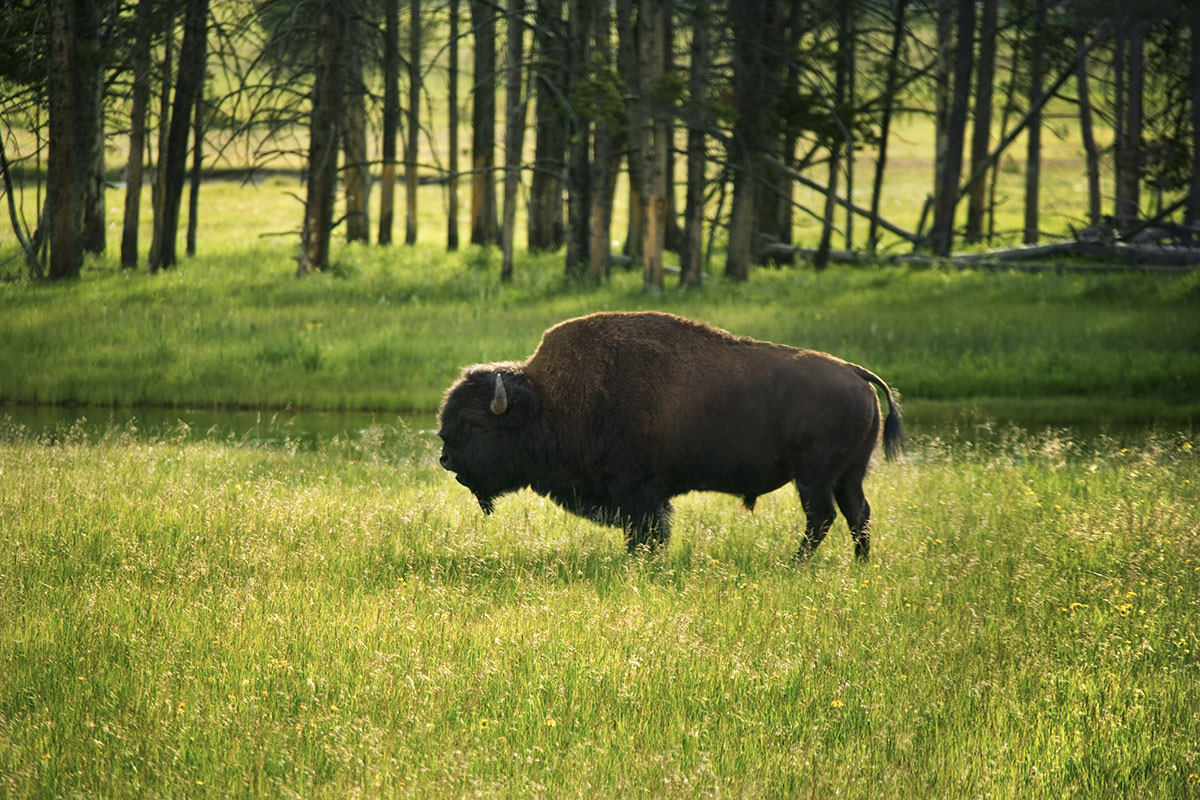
(616,413)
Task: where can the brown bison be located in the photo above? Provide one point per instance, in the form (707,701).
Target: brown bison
(616,413)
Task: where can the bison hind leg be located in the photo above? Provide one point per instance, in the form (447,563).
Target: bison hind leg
(648,531)
(857,510)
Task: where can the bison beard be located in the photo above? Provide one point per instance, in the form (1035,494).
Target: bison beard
(616,413)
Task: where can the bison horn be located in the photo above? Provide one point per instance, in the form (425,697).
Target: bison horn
(500,399)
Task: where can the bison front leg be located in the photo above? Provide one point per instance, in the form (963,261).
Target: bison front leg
(648,530)
(820,514)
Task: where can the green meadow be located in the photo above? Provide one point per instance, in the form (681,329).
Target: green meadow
(201,614)
(212,619)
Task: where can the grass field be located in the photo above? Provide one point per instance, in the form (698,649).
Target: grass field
(392,327)
(199,615)
(207,619)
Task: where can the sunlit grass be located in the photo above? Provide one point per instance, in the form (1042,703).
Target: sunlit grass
(390,328)
(205,617)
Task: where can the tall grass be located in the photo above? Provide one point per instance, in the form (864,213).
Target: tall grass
(207,618)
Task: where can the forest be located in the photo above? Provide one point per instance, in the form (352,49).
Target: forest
(711,115)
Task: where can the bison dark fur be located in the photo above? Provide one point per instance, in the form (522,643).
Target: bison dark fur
(616,413)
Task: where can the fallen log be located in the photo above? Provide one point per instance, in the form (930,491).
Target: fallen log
(1100,257)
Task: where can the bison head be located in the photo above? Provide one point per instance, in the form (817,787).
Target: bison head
(484,423)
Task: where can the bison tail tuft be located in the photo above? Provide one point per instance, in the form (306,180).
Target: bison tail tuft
(893,431)
(893,428)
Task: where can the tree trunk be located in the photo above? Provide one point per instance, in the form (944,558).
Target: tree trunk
(414,122)
(1033,152)
(64,163)
(187,87)
(749,19)
(603,177)
(672,233)
(1007,110)
(579,186)
(770,179)
(946,200)
(483,139)
(942,73)
(354,132)
(1192,214)
(391,117)
(848,114)
(89,131)
(140,68)
(1091,153)
(985,84)
(1129,135)
(651,31)
(514,132)
(197,163)
(692,253)
(841,81)
(626,138)
(885,123)
(792,67)
(159,182)
(452,164)
(545,194)
(323,141)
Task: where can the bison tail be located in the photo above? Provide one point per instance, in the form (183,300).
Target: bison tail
(893,428)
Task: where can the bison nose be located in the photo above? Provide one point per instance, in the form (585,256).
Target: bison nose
(444,461)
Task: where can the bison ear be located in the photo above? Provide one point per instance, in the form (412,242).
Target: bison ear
(500,397)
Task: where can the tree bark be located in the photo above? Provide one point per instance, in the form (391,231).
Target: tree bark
(140,68)
(452,163)
(354,131)
(672,233)
(651,29)
(62,196)
(89,132)
(545,229)
(323,141)
(603,177)
(391,117)
(985,84)
(1129,135)
(187,87)
(159,181)
(692,254)
(626,139)
(772,184)
(885,123)
(944,20)
(841,81)
(792,69)
(514,132)
(197,163)
(1091,153)
(579,185)
(749,19)
(848,115)
(411,148)
(1033,151)
(946,200)
(484,227)
(1192,214)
